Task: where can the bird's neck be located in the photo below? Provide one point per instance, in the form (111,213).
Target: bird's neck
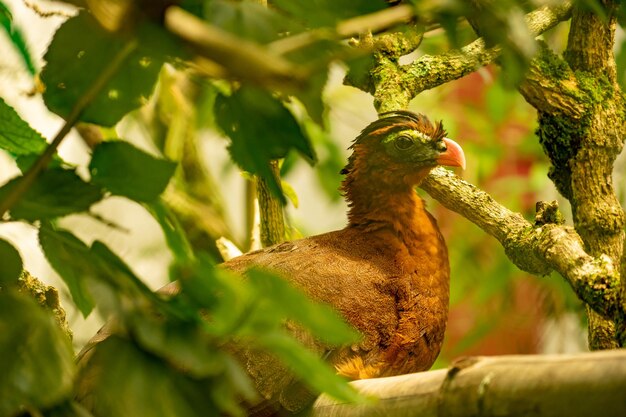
(373,205)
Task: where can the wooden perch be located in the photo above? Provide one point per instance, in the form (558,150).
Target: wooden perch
(538,385)
(536,248)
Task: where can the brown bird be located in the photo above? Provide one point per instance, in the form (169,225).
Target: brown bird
(386,272)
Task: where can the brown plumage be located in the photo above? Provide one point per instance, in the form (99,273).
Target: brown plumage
(386,272)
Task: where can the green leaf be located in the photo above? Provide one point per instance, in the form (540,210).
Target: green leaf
(77,55)
(261,129)
(16,37)
(324,322)
(121,380)
(173,231)
(249,20)
(309,367)
(125,170)
(328,12)
(11,265)
(37,365)
(182,343)
(56,192)
(16,136)
(71,259)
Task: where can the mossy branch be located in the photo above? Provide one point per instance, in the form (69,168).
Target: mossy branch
(397,84)
(537,248)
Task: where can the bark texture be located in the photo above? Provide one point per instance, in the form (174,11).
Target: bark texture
(581,127)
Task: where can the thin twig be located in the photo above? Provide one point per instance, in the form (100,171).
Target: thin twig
(44,159)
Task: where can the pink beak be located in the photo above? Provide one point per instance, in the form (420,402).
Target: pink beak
(453,156)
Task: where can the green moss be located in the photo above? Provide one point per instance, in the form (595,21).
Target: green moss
(551,64)
(595,88)
(47,297)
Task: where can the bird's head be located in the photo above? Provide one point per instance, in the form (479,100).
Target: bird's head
(400,148)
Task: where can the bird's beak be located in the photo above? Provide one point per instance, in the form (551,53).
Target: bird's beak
(453,156)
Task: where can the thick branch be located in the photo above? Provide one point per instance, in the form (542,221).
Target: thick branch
(551,86)
(538,248)
(538,385)
(431,71)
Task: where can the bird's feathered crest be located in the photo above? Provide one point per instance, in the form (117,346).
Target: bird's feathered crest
(398,120)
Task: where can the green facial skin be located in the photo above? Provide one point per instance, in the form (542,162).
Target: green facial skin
(411,146)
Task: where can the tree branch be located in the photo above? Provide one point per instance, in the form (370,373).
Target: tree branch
(538,385)
(535,248)
(431,71)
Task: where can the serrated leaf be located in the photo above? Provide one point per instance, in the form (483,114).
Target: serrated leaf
(56,192)
(16,136)
(125,170)
(261,129)
(328,12)
(323,322)
(309,367)
(11,264)
(37,365)
(70,258)
(77,55)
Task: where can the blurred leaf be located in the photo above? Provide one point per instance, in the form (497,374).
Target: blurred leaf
(16,136)
(68,409)
(328,12)
(183,344)
(290,193)
(24,162)
(125,170)
(11,265)
(124,381)
(56,192)
(323,321)
(173,231)
(77,55)
(37,365)
(249,20)
(16,37)
(71,259)
(260,129)
(309,367)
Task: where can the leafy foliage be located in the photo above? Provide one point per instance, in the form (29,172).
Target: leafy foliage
(249,112)
(37,367)
(124,170)
(74,61)
(57,192)
(16,136)
(10,264)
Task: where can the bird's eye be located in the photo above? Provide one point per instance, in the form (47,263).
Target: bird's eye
(441,146)
(403,142)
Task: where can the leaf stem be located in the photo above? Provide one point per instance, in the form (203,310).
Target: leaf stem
(44,159)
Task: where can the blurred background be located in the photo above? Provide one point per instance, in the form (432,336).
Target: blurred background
(495,308)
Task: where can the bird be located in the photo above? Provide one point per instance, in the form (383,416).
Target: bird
(386,272)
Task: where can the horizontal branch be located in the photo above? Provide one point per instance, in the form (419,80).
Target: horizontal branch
(535,248)
(538,385)
(431,71)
